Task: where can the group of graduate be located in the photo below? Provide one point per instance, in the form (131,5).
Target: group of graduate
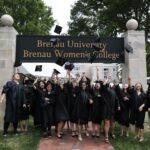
(75,102)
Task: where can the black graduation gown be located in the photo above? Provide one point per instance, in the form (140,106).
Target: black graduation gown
(29,95)
(111,102)
(124,109)
(61,112)
(148,100)
(137,117)
(48,108)
(98,107)
(82,108)
(15,98)
(38,110)
(72,98)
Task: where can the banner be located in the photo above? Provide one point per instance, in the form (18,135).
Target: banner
(77,49)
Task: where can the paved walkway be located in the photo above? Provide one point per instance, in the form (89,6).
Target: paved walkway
(71,143)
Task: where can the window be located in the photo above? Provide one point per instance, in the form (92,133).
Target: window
(105,73)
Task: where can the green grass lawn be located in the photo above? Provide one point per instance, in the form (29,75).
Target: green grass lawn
(30,141)
(129,143)
(22,141)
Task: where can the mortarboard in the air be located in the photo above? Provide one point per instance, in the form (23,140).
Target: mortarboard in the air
(128,48)
(96,48)
(38,68)
(60,61)
(93,57)
(56,71)
(58,29)
(69,66)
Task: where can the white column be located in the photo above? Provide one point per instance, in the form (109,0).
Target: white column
(135,63)
(7,59)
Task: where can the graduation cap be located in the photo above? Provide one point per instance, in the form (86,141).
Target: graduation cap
(58,29)
(96,48)
(29,81)
(38,68)
(93,57)
(69,66)
(98,39)
(56,72)
(60,61)
(128,48)
(54,41)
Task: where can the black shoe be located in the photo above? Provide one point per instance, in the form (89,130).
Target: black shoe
(49,133)
(62,133)
(45,135)
(97,136)
(93,135)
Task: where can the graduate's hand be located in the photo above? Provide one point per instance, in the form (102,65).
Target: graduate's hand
(126,98)
(91,101)
(24,105)
(46,98)
(149,109)
(140,108)
(119,108)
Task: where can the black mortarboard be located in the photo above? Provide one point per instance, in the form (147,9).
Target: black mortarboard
(69,66)
(38,68)
(56,72)
(60,61)
(30,81)
(97,39)
(95,48)
(58,29)
(97,81)
(128,48)
(93,57)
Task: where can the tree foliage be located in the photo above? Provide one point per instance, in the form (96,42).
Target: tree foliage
(108,17)
(31,17)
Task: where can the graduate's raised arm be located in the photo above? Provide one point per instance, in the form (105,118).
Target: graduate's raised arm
(97,73)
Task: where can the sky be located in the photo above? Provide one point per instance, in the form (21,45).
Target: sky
(61,12)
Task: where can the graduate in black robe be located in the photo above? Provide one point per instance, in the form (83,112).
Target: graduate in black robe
(148,100)
(24,116)
(15,99)
(82,109)
(48,103)
(61,110)
(38,109)
(73,91)
(137,115)
(111,104)
(124,98)
(98,109)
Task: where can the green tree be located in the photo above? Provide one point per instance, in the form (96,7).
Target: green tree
(31,17)
(109,17)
